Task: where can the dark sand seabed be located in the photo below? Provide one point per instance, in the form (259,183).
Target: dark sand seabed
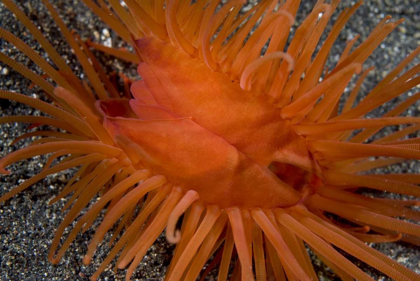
(27,223)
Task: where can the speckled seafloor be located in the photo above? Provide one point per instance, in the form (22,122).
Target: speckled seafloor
(27,222)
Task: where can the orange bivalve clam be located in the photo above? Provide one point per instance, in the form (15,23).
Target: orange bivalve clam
(234,132)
